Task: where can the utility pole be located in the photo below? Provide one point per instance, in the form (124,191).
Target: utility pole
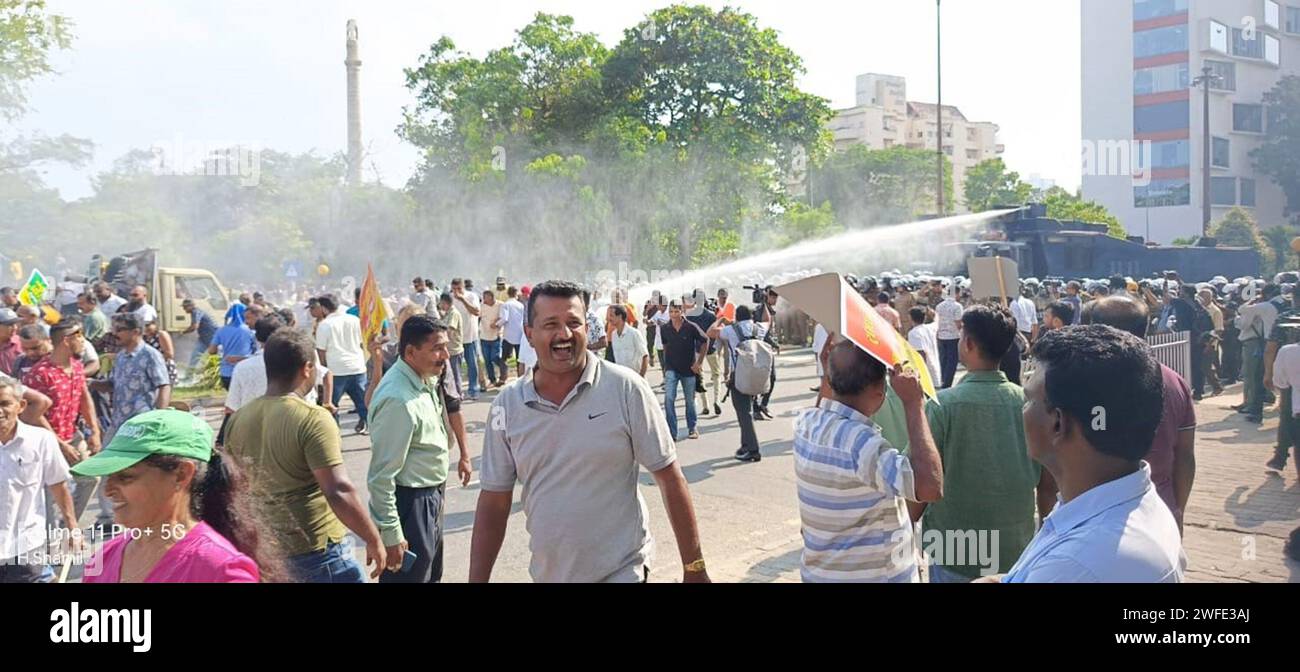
(1205,80)
(938,9)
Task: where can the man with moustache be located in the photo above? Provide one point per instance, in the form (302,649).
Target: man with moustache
(139,304)
(575,431)
(410,448)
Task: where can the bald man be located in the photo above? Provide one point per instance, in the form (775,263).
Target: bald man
(1173,452)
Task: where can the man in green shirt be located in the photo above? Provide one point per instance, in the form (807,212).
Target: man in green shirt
(94,324)
(455,332)
(986,517)
(295,460)
(409,452)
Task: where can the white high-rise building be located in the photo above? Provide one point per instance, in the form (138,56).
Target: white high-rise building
(884,118)
(1143,123)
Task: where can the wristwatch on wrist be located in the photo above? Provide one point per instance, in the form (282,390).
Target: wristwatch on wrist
(694,567)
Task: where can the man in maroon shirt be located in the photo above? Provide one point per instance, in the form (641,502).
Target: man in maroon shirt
(1173,455)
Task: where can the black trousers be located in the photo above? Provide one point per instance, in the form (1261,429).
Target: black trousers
(771,386)
(948,359)
(1288,428)
(420,510)
(1198,363)
(1231,347)
(221,432)
(743,404)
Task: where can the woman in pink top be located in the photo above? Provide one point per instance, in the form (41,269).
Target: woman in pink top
(184,509)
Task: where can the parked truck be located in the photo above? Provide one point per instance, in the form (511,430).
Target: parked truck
(168,287)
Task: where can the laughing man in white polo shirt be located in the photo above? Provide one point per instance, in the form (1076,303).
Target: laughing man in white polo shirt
(575,431)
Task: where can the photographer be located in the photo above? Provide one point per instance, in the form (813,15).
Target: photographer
(765,314)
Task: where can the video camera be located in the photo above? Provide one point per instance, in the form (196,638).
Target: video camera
(759,292)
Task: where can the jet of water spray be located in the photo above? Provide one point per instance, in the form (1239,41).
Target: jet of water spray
(865,251)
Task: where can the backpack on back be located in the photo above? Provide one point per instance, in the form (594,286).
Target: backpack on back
(755,359)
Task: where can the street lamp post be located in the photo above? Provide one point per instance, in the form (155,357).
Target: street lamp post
(1205,80)
(938,9)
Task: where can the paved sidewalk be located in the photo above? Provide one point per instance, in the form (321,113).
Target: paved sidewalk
(1238,521)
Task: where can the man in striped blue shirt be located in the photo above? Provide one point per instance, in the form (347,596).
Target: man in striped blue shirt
(852,484)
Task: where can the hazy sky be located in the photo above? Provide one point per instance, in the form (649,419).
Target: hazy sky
(270,73)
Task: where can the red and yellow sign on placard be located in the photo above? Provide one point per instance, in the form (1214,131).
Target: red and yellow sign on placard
(844,313)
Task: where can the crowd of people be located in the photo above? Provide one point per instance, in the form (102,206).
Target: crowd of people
(1057,437)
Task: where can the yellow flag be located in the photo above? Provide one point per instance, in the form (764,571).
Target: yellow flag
(371,308)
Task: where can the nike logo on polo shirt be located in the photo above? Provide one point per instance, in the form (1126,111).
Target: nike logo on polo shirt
(593,417)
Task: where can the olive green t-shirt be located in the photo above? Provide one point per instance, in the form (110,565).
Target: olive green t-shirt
(281,440)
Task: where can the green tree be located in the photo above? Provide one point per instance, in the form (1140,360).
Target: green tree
(542,89)
(29,33)
(1238,229)
(802,222)
(867,187)
(684,128)
(722,92)
(990,184)
(1279,156)
(1065,206)
(1278,239)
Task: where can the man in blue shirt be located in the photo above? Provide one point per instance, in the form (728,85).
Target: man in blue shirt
(235,342)
(1091,411)
(139,381)
(206,327)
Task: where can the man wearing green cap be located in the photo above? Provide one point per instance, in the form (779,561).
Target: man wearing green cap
(29,460)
